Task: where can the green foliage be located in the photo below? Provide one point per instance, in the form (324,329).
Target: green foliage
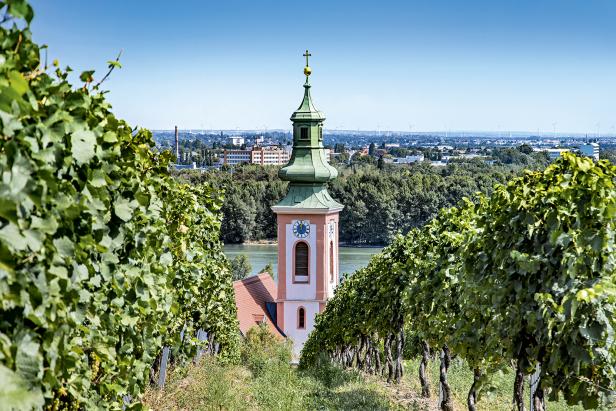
(250,191)
(268,269)
(240,267)
(379,203)
(201,279)
(526,276)
(608,154)
(433,264)
(103,255)
(525,148)
(543,246)
(522,155)
(261,347)
(365,313)
(207,385)
(16,394)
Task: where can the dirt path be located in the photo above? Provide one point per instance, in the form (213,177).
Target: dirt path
(404,395)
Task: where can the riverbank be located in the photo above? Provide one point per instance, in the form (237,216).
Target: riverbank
(256,242)
(259,255)
(275,242)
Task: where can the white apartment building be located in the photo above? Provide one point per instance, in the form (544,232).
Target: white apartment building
(235,157)
(269,156)
(408,159)
(236,140)
(590,150)
(273,155)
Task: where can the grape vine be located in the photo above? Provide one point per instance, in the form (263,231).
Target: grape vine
(526,276)
(104,258)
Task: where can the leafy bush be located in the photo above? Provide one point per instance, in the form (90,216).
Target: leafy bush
(240,267)
(103,256)
(261,348)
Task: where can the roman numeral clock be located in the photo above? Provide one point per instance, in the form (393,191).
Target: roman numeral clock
(301,229)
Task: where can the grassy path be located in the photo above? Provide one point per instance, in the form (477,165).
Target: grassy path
(265,380)
(212,386)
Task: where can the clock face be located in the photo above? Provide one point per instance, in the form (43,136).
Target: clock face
(301,228)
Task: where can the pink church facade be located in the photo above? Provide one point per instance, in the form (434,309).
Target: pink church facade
(307,271)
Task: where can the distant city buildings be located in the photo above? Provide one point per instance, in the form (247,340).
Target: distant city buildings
(406,160)
(212,149)
(236,141)
(554,153)
(271,155)
(191,166)
(235,157)
(586,149)
(590,150)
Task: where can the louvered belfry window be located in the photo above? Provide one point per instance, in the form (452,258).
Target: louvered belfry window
(301,261)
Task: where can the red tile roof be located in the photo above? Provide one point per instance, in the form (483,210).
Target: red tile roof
(251,296)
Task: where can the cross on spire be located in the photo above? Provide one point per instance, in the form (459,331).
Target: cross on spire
(307,54)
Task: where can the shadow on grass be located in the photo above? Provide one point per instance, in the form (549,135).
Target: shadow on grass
(335,388)
(330,375)
(355,398)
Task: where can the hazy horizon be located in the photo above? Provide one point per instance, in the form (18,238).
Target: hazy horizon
(452,133)
(541,66)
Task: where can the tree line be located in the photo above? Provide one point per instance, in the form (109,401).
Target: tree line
(379,202)
(524,277)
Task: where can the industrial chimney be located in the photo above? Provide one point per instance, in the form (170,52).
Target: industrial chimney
(177,146)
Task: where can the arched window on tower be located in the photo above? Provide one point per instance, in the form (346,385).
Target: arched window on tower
(331,262)
(301,262)
(301,318)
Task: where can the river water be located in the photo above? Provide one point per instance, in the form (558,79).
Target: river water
(259,255)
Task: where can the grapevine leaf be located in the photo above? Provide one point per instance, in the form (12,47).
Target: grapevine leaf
(16,393)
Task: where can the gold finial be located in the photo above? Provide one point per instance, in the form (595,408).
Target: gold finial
(307,69)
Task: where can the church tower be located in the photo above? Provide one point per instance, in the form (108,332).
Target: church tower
(307,227)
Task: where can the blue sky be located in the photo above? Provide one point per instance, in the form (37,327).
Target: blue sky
(389,65)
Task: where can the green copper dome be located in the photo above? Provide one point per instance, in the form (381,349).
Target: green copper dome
(307,110)
(308,163)
(308,169)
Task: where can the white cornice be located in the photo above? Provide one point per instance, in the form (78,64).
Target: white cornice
(298,210)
